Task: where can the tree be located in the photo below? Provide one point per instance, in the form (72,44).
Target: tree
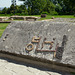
(50,7)
(12,9)
(0,11)
(70,6)
(54,1)
(29,10)
(4,11)
(23,10)
(36,6)
(15,9)
(58,8)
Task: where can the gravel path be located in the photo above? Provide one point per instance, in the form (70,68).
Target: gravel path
(9,67)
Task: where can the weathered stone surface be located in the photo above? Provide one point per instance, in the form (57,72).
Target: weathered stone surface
(3,18)
(19,34)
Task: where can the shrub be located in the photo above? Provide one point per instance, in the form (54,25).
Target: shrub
(45,13)
(55,13)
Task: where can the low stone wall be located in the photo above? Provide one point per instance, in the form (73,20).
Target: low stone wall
(27,18)
(3,18)
(16,17)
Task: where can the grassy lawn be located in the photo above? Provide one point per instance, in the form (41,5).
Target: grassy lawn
(64,16)
(58,16)
(3,27)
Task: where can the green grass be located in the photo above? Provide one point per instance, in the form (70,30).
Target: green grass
(3,27)
(58,16)
(64,16)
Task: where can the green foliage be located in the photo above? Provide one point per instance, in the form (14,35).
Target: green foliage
(37,7)
(45,13)
(15,10)
(70,6)
(55,13)
(29,10)
(0,11)
(50,7)
(4,11)
(58,8)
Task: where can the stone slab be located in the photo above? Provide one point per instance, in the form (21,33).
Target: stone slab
(52,41)
(3,18)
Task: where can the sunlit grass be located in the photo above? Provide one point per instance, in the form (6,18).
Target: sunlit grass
(57,16)
(3,27)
